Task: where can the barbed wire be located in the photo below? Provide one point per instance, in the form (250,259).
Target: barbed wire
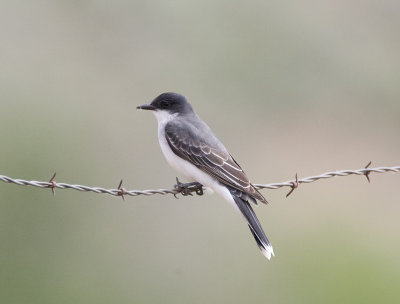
(120,191)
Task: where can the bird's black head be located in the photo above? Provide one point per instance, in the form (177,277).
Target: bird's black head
(169,102)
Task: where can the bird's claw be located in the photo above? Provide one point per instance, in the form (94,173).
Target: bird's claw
(188,188)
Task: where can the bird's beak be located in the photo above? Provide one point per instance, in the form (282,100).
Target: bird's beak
(146,107)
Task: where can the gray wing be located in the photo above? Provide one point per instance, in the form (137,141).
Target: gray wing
(189,143)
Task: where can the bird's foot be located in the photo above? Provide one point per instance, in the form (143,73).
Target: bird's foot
(188,188)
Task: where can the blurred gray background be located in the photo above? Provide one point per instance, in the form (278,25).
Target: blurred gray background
(315,86)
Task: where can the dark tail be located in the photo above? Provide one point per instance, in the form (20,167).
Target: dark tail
(241,200)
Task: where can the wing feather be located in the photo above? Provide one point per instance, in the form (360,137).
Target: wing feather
(187,144)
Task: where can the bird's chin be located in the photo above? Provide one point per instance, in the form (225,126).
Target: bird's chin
(164,116)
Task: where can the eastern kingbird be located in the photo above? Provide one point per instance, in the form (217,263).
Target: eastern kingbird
(192,149)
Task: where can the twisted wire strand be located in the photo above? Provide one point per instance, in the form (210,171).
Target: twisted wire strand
(310,179)
(122,192)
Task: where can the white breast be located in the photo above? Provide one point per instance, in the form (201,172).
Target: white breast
(182,166)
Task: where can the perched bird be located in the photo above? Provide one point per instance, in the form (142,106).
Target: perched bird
(192,149)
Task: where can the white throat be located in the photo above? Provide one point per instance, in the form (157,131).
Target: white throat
(164,117)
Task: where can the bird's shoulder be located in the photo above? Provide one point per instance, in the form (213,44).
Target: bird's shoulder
(194,132)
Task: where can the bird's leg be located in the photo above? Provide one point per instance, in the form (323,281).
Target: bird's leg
(188,188)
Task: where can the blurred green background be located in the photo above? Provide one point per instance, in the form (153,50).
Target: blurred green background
(315,86)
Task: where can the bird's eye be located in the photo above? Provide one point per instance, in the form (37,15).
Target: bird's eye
(164,104)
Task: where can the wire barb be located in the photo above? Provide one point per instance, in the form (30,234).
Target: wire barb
(294,185)
(53,184)
(367,173)
(120,191)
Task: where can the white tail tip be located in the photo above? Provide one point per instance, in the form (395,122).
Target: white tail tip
(268,252)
